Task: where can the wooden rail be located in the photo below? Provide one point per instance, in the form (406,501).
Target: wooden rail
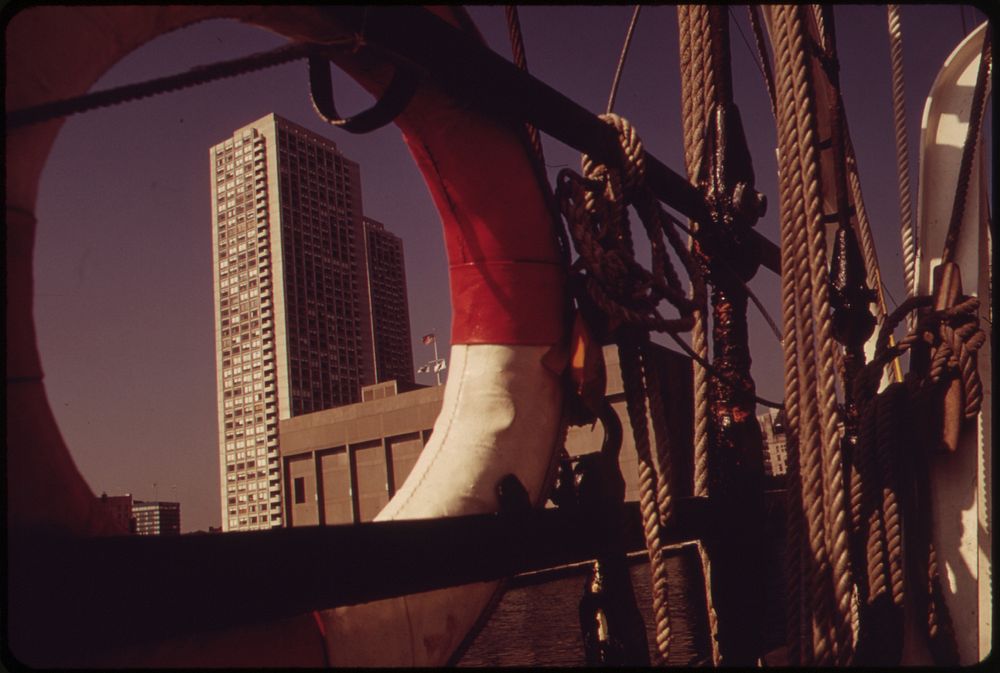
(154,587)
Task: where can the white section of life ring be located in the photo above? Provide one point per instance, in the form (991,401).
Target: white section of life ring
(501,415)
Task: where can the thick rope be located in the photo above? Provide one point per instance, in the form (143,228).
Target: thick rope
(809,354)
(907,227)
(701,89)
(799,644)
(880,582)
(969,148)
(890,623)
(887,456)
(821,631)
(629,352)
(818,576)
(951,331)
(833,486)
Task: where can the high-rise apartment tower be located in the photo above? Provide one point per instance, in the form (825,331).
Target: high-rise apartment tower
(292,314)
(389,307)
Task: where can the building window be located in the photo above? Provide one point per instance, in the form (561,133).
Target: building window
(300,490)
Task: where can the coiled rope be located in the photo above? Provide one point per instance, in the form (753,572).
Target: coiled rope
(955,336)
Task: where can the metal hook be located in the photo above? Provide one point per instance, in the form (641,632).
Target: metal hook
(399,92)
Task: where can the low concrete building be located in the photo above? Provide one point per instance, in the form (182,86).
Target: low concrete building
(342,465)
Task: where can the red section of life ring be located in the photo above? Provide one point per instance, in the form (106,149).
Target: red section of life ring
(507,282)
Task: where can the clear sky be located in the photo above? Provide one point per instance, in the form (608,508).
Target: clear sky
(123,293)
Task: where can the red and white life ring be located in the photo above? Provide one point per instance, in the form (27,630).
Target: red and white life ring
(502,405)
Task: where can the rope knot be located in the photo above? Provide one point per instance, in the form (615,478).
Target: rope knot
(629,177)
(595,206)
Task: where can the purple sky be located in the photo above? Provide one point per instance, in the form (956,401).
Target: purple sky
(123,294)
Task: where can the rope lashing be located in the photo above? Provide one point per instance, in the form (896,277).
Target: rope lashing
(955,335)
(595,206)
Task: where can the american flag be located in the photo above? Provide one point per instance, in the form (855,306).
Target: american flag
(428,339)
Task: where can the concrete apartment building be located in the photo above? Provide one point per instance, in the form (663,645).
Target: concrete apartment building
(342,465)
(156,518)
(772,428)
(390,309)
(293,321)
(138,517)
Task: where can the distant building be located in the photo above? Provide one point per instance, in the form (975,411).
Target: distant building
(772,428)
(139,517)
(342,465)
(157,518)
(293,315)
(389,306)
(119,507)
